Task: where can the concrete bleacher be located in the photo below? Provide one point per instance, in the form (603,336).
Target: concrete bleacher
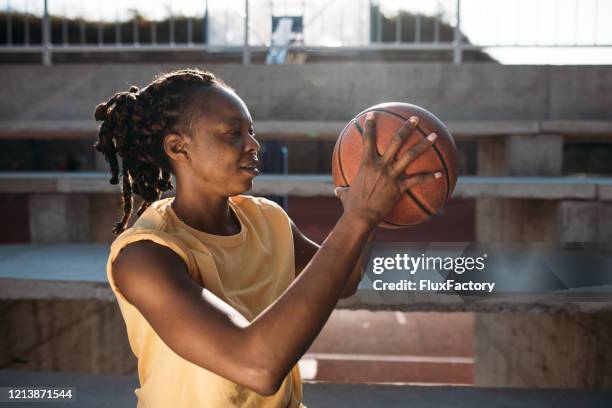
(78,271)
(92,392)
(556,208)
(327,130)
(546,188)
(330,91)
(503,108)
(520,119)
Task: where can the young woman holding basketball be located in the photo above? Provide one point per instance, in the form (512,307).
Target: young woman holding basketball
(220,292)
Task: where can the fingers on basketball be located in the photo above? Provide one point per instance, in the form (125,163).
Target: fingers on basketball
(411,154)
(399,138)
(410,181)
(369,137)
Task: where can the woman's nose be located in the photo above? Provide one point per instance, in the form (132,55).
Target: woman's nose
(252,144)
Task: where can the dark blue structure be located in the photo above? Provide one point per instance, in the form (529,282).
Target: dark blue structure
(274,160)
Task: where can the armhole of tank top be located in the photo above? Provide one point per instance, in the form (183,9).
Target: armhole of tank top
(190,262)
(279,214)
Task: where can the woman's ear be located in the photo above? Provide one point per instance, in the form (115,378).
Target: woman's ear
(177,147)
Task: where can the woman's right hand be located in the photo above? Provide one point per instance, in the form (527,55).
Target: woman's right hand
(380,181)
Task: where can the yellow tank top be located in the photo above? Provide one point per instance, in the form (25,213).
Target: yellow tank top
(248,270)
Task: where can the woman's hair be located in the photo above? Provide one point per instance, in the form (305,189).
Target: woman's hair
(134,125)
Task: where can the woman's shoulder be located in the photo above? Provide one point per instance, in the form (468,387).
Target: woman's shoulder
(153,225)
(154,220)
(155,217)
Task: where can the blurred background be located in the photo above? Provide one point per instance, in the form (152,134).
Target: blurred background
(525,87)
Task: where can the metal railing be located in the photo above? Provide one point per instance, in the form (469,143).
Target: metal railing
(243,26)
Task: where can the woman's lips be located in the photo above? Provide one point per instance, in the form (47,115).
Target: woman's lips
(253,171)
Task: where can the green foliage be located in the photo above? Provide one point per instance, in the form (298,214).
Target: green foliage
(427,30)
(79,32)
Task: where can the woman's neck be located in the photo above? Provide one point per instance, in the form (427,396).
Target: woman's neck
(210,214)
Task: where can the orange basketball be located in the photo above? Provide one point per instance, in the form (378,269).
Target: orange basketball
(422,200)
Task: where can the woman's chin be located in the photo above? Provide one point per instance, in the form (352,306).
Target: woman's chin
(243,188)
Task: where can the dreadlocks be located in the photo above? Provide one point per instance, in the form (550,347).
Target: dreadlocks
(134,125)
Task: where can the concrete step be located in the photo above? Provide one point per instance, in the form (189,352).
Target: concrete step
(360,346)
(309,185)
(77,271)
(421,370)
(322,129)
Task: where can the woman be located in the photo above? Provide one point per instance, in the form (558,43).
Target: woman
(220,292)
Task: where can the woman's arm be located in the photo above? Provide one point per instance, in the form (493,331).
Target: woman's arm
(305,249)
(353,283)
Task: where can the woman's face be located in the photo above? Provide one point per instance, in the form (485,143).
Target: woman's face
(223,149)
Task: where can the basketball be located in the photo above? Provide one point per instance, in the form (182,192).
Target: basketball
(423,200)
